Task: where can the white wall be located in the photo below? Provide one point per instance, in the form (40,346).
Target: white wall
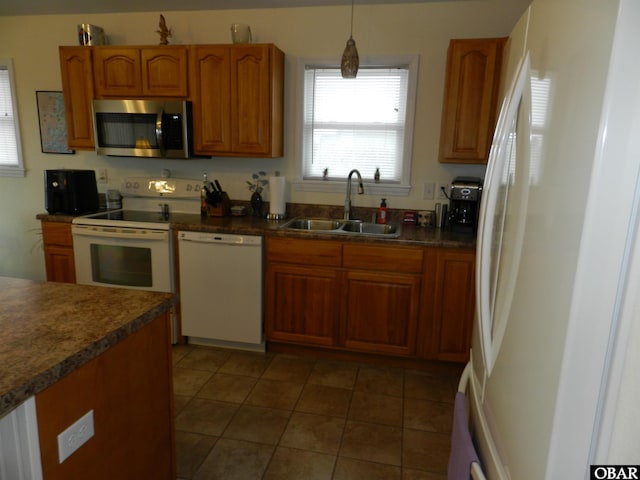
(425,29)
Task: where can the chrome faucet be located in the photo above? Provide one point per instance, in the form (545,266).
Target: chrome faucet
(347,202)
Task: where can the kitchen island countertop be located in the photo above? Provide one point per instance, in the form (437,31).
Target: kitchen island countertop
(50,329)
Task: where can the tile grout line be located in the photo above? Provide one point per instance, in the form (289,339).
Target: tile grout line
(305,382)
(344,427)
(275,447)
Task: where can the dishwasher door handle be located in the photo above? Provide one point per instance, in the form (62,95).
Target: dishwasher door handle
(205,240)
(222,239)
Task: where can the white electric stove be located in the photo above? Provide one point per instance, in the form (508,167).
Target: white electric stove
(133,247)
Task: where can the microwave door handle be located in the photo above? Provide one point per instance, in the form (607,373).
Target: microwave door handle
(159,135)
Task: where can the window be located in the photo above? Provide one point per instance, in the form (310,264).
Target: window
(364,123)
(10,151)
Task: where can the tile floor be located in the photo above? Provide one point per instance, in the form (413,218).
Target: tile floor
(242,415)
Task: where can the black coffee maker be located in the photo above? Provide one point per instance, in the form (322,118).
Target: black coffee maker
(464,204)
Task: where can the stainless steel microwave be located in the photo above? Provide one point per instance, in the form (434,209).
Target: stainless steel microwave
(142,128)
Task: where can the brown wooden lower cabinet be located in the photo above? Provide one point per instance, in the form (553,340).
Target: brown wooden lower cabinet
(450,290)
(302,304)
(129,388)
(58,252)
(60,264)
(395,300)
(380,312)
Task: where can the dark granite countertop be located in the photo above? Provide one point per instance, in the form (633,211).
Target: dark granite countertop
(410,235)
(50,329)
(249,225)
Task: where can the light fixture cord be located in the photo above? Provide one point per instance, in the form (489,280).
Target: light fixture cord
(351,32)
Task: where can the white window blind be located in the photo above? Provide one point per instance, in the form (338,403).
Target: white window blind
(355,123)
(10,152)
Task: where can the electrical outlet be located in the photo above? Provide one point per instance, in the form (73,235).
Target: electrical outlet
(442,188)
(75,436)
(428,191)
(102,175)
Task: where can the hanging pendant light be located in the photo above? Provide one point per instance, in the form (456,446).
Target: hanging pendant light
(350,60)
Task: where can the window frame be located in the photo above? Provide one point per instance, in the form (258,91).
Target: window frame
(337,186)
(17,169)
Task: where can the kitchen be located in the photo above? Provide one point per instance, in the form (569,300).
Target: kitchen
(422,28)
(299,34)
(372,205)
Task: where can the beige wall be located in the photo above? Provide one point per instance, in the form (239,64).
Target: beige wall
(423,29)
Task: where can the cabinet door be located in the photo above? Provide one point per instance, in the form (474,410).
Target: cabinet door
(164,71)
(211,93)
(117,71)
(381,311)
(250,99)
(58,252)
(451,278)
(302,304)
(470,99)
(129,390)
(60,264)
(77,86)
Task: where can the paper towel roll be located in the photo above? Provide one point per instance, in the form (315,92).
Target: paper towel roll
(277,204)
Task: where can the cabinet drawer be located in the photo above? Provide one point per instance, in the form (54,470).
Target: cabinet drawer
(381,258)
(54,233)
(306,252)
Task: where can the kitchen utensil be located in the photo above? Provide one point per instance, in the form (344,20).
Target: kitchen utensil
(90,34)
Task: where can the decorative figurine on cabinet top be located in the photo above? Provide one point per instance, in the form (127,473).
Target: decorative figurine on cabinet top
(164,32)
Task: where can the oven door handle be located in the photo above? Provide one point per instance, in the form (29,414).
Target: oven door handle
(129,234)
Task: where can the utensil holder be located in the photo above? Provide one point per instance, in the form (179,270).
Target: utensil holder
(222,208)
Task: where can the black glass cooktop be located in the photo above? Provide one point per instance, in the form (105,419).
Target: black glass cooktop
(126,219)
(131,216)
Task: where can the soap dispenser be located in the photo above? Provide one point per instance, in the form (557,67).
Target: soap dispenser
(382,211)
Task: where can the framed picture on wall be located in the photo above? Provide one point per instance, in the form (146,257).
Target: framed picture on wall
(53,127)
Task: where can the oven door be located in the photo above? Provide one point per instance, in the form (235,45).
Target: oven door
(137,258)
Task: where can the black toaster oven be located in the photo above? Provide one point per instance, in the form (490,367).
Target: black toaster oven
(70,191)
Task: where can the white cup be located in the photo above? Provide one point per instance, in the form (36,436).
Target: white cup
(114,200)
(240,33)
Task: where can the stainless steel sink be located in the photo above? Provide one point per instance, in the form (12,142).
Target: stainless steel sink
(369,228)
(343,227)
(312,224)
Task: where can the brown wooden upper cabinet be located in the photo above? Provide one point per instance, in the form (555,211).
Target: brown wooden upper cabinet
(237,91)
(77,85)
(140,71)
(238,100)
(470,99)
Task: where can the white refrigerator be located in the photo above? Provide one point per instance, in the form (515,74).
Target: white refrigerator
(555,368)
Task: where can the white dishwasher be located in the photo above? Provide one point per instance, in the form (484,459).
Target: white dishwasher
(221,279)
